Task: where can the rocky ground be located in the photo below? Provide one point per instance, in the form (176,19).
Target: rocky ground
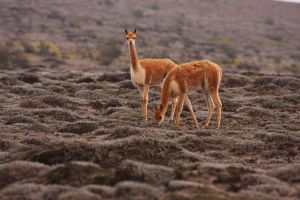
(76,135)
(70,121)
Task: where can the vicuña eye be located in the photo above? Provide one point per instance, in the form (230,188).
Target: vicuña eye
(134,38)
(160,117)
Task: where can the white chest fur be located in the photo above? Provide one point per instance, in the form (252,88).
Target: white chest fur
(137,76)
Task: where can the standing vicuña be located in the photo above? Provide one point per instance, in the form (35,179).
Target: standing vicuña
(187,77)
(146,72)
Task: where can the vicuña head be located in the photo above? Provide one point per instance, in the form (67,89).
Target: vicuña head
(130,36)
(158,115)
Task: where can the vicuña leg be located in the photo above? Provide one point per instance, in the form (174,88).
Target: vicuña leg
(190,107)
(145,102)
(179,109)
(210,107)
(173,107)
(141,88)
(218,104)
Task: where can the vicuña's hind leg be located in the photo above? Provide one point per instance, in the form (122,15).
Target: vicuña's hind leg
(179,109)
(173,107)
(218,104)
(210,107)
(190,107)
(145,102)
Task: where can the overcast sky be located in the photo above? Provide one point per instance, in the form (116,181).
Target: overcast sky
(294,1)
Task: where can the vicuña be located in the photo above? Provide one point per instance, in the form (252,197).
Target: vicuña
(146,72)
(188,77)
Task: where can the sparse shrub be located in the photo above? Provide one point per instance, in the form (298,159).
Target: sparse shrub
(126,190)
(74,173)
(20,60)
(152,174)
(54,14)
(138,13)
(79,127)
(19,170)
(12,57)
(49,49)
(57,114)
(86,80)
(108,3)
(32,104)
(19,119)
(275,37)
(295,56)
(109,52)
(29,47)
(29,78)
(236,81)
(154,7)
(97,105)
(114,77)
(269,21)
(4,56)
(229,51)
(113,103)
(247,67)
(123,131)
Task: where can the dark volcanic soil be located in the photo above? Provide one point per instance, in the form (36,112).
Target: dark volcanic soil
(70,121)
(78,136)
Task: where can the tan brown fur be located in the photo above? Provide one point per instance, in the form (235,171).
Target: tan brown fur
(146,72)
(187,77)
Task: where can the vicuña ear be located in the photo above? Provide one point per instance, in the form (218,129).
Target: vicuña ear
(126,31)
(134,31)
(156,107)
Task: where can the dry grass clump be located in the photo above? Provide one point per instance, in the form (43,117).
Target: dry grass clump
(114,77)
(29,78)
(49,49)
(129,190)
(33,191)
(32,104)
(78,195)
(235,81)
(289,173)
(123,131)
(58,101)
(63,153)
(151,174)
(256,112)
(11,55)
(281,82)
(6,80)
(56,114)
(80,127)
(19,119)
(73,173)
(19,170)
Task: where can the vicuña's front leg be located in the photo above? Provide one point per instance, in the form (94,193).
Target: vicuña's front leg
(179,109)
(190,107)
(141,88)
(145,102)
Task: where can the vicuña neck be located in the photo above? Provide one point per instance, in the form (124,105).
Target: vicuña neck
(165,95)
(133,57)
